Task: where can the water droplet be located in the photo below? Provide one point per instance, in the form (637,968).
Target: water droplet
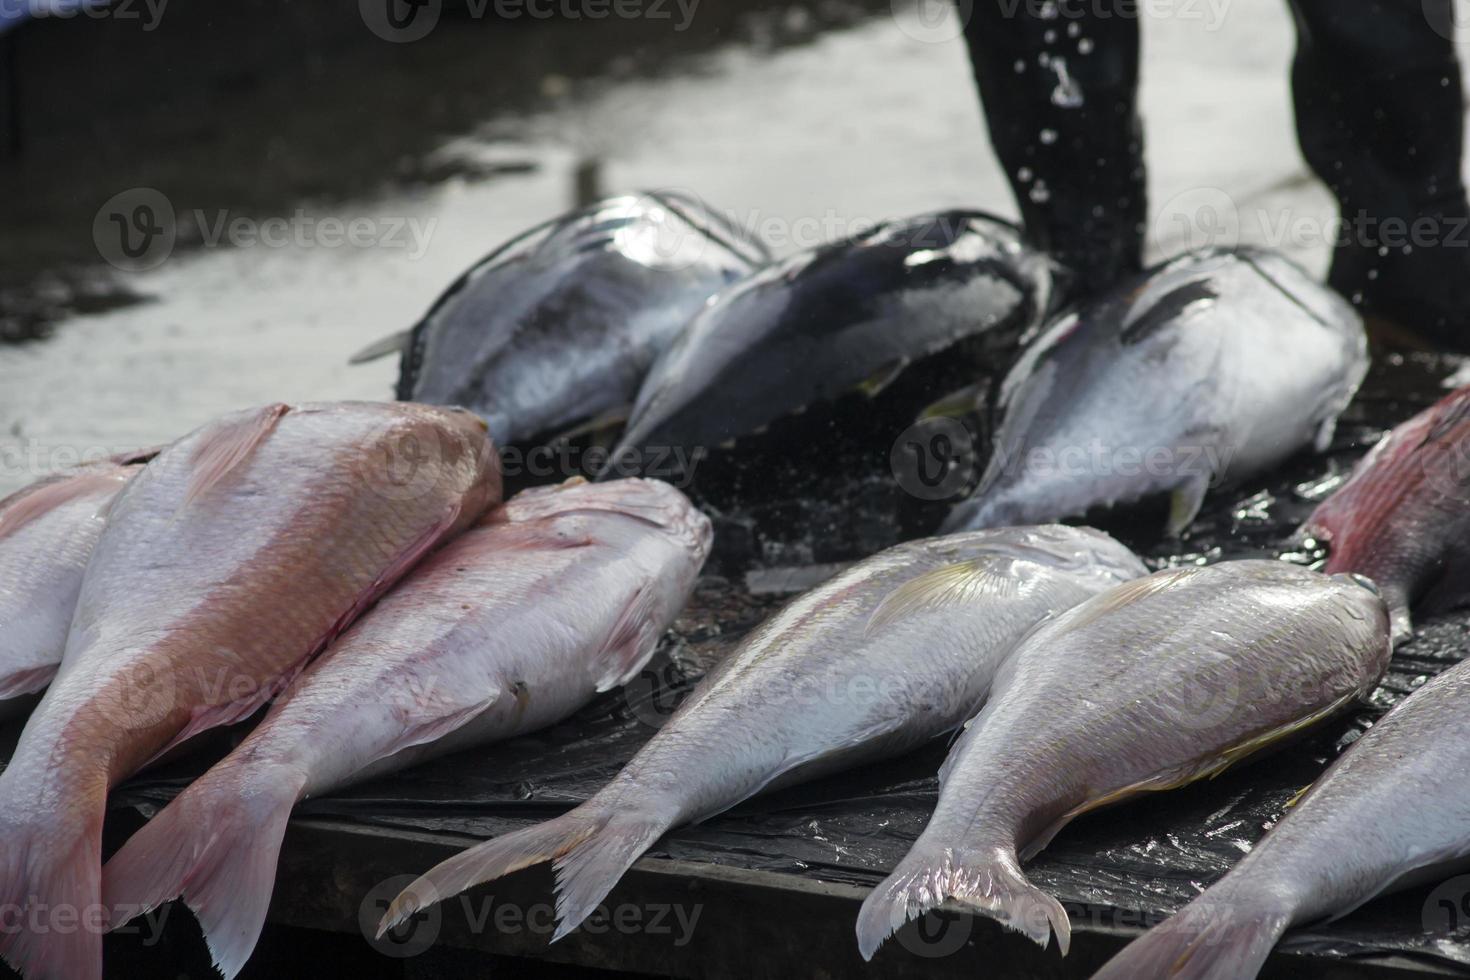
(1408,249)
(1040,194)
(1050,37)
(1049,10)
(1085,46)
(1372,274)
(1073,29)
(1358,298)
(1067,94)
(1024,175)
(1020,65)
(1383,250)
(1048,136)
(1043,59)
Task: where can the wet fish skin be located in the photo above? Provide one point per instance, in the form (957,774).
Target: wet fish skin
(1403,513)
(561,324)
(890,652)
(1148,686)
(832,319)
(231,559)
(1220,363)
(47,532)
(1391,794)
(514,625)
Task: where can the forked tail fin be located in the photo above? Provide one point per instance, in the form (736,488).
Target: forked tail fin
(592,847)
(51,912)
(1210,939)
(217,845)
(987,878)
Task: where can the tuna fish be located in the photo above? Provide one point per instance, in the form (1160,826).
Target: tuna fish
(844,316)
(1149,686)
(1213,367)
(1391,812)
(891,652)
(234,557)
(1402,516)
(559,594)
(559,325)
(47,532)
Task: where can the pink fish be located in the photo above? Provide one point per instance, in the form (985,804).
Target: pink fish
(232,559)
(1402,516)
(559,594)
(47,532)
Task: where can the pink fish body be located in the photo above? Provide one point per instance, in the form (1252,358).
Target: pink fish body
(47,533)
(233,558)
(1401,518)
(559,594)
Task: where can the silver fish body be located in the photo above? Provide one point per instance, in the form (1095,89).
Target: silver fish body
(1391,812)
(558,594)
(1211,368)
(1148,686)
(561,324)
(844,316)
(890,652)
(47,533)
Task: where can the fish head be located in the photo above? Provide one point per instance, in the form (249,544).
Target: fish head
(649,502)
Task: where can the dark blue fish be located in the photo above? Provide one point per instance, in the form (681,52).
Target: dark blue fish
(559,325)
(848,315)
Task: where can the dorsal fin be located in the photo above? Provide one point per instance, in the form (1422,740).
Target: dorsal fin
(1167,309)
(227,445)
(27,505)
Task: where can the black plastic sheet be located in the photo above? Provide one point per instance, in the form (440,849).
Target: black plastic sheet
(1127,865)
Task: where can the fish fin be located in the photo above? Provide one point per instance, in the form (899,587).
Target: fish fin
(392,344)
(988,879)
(592,846)
(216,845)
(1297,796)
(452,718)
(601,422)
(1135,590)
(46,868)
(955,404)
(228,444)
(28,681)
(21,508)
(632,641)
(1207,768)
(951,585)
(1185,501)
(1207,940)
(873,385)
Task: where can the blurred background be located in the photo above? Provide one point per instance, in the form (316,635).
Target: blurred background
(209,205)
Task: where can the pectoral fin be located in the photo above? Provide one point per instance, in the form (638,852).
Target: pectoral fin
(1184,504)
(950,585)
(391,344)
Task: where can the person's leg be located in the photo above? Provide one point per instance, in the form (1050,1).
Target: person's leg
(1059,86)
(1380,118)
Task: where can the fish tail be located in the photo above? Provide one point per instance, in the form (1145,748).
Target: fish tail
(988,878)
(217,845)
(592,846)
(1208,940)
(51,912)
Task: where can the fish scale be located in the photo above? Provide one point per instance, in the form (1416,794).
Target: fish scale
(1132,690)
(824,683)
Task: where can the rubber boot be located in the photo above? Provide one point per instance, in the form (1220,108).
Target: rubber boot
(1060,91)
(1380,119)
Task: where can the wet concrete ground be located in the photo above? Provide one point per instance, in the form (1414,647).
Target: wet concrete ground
(803,122)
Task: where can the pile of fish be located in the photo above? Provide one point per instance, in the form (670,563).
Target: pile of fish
(352,569)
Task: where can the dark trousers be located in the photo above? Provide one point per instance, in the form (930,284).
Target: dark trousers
(1378,105)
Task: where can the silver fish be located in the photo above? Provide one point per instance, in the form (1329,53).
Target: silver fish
(517,623)
(227,564)
(1149,686)
(1391,812)
(559,325)
(891,652)
(844,316)
(1211,368)
(47,532)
